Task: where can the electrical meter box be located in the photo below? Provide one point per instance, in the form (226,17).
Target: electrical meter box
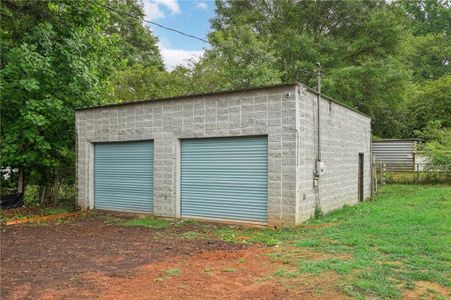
(319,168)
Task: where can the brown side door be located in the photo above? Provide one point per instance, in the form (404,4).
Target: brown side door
(361,172)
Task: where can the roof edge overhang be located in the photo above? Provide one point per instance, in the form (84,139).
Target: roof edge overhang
(188,96)
(397,140)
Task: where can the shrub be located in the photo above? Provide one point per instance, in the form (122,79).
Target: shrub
(437,149)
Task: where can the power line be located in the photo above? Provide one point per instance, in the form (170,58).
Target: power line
(151,22)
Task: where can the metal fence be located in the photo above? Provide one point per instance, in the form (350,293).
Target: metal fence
(397,155)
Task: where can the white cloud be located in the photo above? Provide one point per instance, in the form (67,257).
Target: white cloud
(172,5)
(152,8)
(176,57)
(152,11)
(202,5)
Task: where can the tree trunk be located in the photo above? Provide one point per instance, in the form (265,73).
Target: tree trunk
(46,192)
(21,181)
(43,194)
(56,188)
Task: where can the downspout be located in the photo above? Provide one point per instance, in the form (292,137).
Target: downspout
(319,112)
(319,165)
(371,163)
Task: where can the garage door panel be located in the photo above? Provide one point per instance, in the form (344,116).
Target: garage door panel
(225,178)
(123,176)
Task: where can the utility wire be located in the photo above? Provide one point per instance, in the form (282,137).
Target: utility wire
(150,22)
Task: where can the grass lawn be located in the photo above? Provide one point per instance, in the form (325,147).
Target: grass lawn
(378,248)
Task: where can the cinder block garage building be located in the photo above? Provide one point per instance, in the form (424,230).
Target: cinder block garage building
(250,156)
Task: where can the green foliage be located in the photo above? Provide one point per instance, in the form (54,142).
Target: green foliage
(209,271)
(429,56)
(239,59)
(140,83)
(439,154)
(287,274)
(57,56)
(431,103)
(420,177)
(377,88)
(433,131)
(190,235)
(137,44)
(59,61)
(229,270)
(427,16)
(438,149)
(172,272)
(375,55)
(146,222)
(270,237)
(359,43)
(318,212)
(27,212)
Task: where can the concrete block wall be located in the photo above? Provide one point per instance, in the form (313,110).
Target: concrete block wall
(344,134)
(266,111)
(286,114)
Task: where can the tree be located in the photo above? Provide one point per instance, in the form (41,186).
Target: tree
(437,147)
(427,16)
(360,45)
(57,56)
(430,56)
(429,23)
(238,59)
(377,88)
(140,83)
(432,102)
(137,44)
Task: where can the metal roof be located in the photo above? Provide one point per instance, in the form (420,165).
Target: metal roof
(188,96)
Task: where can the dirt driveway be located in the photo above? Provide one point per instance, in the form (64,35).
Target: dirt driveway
(89,258)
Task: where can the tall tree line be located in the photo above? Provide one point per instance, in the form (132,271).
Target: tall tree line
(58,55)
(389,59)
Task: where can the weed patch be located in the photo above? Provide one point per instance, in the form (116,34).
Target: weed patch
(172,272)
(286,274)
(209,271)
(190,235)
(30,212)
(229,270)
(146,222)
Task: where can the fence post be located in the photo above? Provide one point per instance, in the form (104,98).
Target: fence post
(373,176)
(418,172)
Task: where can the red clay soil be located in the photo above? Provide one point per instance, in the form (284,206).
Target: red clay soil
(88,259)
(426,290)
(35,258)
(233,274)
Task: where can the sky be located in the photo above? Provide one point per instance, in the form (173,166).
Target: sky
(190,16)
